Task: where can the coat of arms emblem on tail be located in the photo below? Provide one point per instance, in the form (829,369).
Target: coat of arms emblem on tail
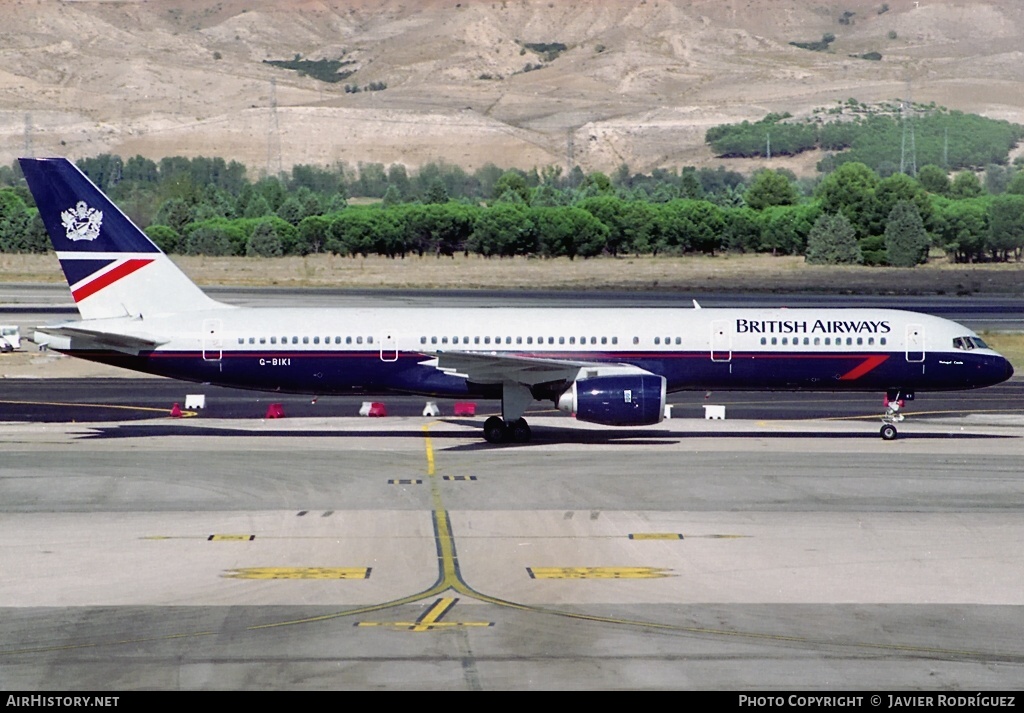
(82,222)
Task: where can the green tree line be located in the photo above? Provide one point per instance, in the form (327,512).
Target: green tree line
(208,206)
(879,137)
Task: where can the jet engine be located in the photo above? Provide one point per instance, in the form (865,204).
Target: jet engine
(620,400)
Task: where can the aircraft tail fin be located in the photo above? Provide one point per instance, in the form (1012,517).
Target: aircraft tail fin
(112,267)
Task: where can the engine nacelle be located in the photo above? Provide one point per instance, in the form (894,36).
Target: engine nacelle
(620,400)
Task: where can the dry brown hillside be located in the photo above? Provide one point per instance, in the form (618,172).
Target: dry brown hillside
(639,82)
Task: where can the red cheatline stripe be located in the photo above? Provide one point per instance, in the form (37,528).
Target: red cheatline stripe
(865,366)
(109,278)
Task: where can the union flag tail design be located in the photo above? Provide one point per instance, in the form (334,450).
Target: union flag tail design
(112,267)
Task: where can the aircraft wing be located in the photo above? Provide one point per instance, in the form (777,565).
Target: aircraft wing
(491,368)
(96,338)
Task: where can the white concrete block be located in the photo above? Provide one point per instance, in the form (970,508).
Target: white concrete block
(713,412)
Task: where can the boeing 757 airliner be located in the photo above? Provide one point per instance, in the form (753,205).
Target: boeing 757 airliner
(604,365)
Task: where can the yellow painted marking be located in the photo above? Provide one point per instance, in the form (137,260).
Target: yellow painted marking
(598,572)
(680,536)
(949,412)
(299,573)
(429,445)
(655,536)
(430,620)
(148,409)
(231,538)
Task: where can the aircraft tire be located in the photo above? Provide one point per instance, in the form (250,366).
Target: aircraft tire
(519,430)
(888,432)
(495,430)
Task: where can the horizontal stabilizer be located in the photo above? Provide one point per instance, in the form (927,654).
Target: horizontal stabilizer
(74,337)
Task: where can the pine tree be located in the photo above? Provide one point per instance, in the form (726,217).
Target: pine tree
(906,240)
(833,241)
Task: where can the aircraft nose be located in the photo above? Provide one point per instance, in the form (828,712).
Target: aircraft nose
(1009,369)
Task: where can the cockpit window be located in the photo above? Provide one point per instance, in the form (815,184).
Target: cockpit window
(968,343)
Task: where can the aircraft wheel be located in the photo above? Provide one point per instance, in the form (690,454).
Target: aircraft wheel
(888,432)
(494,430)
(520,431)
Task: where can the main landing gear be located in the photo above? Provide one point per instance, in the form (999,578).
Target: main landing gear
(894,401)
(510,427)
(497,431)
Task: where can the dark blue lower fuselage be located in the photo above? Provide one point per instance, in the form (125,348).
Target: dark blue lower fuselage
(365,372)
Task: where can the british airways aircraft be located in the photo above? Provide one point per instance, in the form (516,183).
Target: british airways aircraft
(604,365)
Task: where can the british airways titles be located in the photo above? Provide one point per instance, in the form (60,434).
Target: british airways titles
(818,326)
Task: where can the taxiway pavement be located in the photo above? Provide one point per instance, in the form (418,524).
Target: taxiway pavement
(405,553)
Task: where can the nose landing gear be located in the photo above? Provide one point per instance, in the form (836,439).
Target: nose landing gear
(894,401)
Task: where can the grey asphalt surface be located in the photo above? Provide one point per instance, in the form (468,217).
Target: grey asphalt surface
(405,554)
(776,550)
